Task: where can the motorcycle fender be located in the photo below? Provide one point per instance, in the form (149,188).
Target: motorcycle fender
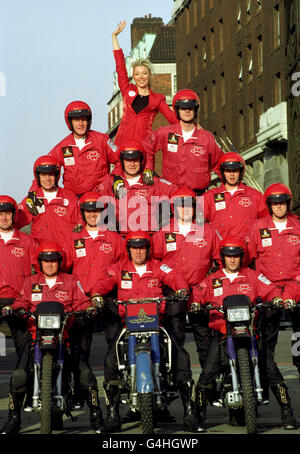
(144,379)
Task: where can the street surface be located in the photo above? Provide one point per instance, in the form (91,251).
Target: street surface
(217,420)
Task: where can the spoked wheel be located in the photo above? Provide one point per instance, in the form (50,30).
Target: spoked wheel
(247,390)
(147,410)
(46,393)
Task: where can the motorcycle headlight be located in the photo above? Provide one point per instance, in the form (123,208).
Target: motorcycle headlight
(238,314)
(49,321)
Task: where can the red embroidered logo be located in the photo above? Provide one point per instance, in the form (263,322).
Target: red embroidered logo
(17,251)
(61,295)
(152,282)
(293,239)
(244,288)
(60,211)
(93,155)
(198,151)
(141,193)
(200,243)
(245,202)
(105,247)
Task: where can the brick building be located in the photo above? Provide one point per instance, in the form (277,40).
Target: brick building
(153,40)
(233,54)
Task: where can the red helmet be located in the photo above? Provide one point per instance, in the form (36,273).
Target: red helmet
(49,251)
(138,239)
(131,149)
(233,246)
(77,109)
(90,201)
(46,164)
(232,161)
(186,98)
(9,204)
(277,193)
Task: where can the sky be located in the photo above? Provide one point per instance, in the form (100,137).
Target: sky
(52,53)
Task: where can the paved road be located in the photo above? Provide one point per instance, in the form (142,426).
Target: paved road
(216,423)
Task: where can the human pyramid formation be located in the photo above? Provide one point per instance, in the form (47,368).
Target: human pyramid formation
(130,233)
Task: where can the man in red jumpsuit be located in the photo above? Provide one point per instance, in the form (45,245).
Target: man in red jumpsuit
(55,212)
(235,279)
(137,204)
(189,153)
(17,256)
(275,249)
(189,247)
(84,154)
(233,207)
(140,276)
(49,284)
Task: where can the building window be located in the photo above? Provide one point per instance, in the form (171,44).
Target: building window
(188,67)
(204,53)
(222,87)
(241,128)
(196,61)
(221,35)
(174,84)
(250,122)
(205,103)
(276,26)
(259,54)
(261,107)
(212,43)
(240,70)
(239,17)
(248,10)
(277,88)
(187,20)
(213,96)
(258,5)
(249,62)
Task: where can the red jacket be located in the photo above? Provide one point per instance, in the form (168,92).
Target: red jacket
(130,285)
(276,254)
(88,256)
(136,126)
(214,288)
(85,168)
(184,163)
(67,291)
(55,220)
(141,205)
(16,258)
(192,255)
(292,290)
(233,214)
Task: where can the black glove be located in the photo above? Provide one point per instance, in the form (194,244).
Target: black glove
(91,311)
(182,294)
(32,202)
(195,307)
(97,301)
(289,303)
(118,187)
(277,302)
(6,311)
(148,177)
(78,228)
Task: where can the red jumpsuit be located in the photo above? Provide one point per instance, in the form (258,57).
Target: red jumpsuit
(16,258)
(292,290)
(130,285)
(233,214)
(277,255)
(192,255)
(214,288)
(89,256)
(136,126)
(67,291)
(55,220)
(184,163)
(139,211)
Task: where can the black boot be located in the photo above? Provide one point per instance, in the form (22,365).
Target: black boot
(96,418)
(191,421)
(13,424)
(280,392)
(201,401)
(113,420)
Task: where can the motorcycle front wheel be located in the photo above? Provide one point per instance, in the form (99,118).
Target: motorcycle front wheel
(46,393)
(247,390)
(146,410)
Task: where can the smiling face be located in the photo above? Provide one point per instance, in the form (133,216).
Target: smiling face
(232,177)
(50,268)
(132,167)
(141,77)
(92,217)
(80,126)
(6,221)
(47,181)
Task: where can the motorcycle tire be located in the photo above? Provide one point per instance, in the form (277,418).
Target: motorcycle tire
(46,393)
(247,390)
(147,411)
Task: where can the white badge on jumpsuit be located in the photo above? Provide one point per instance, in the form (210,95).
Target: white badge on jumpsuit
(218,287)
(220,203)
(126,280)
(173,140)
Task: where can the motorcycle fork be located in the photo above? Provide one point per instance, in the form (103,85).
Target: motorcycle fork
(58,397)
(232,363)
(36,375)
(254,358)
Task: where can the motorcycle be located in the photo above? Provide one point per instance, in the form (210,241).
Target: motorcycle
(51,394)
(143,350)
(240,388)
